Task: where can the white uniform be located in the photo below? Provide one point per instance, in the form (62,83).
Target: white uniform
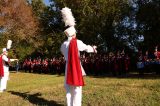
(3,80)
(74,93)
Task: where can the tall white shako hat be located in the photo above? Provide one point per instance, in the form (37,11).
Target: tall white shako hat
(69,21)
(4,50)
(9,43)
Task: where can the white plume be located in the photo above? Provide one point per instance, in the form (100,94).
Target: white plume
(9,43)
(67,17)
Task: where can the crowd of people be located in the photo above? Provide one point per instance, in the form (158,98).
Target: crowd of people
(38,65)
(148,61)
(112,63)
(115,64)
(93,64)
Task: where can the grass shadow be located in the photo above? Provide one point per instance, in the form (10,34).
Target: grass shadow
(36,99)
(130,76)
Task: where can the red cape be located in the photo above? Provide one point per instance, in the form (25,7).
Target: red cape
(74,72)
(158,54)
(1,67)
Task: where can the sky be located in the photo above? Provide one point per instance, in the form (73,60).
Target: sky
(46,2)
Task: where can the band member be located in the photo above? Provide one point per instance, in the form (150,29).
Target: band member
(73,71)
(140,63)
(4,71)
(4,67)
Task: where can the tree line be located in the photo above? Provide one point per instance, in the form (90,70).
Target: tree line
(37,29)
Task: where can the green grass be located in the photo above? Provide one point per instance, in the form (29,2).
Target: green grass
(28,89)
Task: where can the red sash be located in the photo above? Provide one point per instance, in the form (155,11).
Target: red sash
(74,72)
(1,67)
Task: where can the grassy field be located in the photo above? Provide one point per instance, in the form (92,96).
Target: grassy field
(27,89)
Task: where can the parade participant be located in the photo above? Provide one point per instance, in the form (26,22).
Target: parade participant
(74,71)
(140,63)
(17,66)
(127,63)
(157,53)
(4,70)
(4,66)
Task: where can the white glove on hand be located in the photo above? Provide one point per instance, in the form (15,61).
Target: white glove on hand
(95,47)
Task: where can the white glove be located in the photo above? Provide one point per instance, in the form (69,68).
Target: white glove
(95,47)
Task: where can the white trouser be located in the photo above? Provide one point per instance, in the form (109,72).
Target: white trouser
(73,95)
(3,81)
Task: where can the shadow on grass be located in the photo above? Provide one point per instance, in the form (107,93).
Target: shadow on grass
(36,99)
(130,76)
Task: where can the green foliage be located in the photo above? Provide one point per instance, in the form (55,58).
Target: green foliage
(111,24)
(148,20)
(19,24)
(22,52)
(94,17)
(38,7)
(50,33)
